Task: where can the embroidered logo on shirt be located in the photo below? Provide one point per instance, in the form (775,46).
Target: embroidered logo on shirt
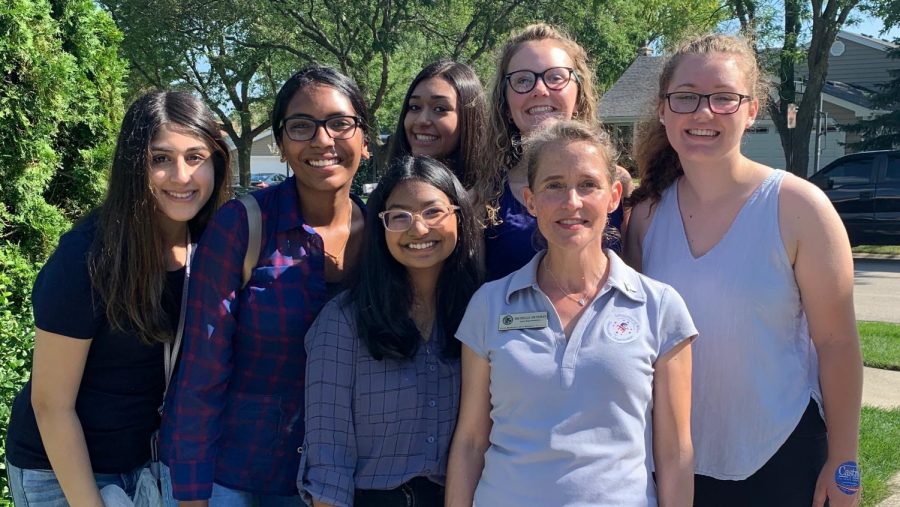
(621,328)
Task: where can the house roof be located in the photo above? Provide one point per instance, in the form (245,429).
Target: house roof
(865,40)
(631,95)
(850,93)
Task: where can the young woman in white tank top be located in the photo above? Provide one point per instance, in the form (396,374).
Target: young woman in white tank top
(764,264)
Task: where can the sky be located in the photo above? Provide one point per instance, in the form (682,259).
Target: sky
(871,26)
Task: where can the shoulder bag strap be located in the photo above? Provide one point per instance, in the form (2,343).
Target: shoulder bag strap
(254,233)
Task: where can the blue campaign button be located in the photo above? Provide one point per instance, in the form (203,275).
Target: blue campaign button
(846,477)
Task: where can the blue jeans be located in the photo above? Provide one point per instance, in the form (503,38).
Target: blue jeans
(39,488)
(227,497)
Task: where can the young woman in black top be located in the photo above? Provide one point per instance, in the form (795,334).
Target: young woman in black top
(105,303)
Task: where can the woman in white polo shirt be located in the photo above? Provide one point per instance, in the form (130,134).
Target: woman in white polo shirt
(576,369)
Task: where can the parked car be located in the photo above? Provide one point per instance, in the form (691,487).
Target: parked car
(865,190)
(263,180)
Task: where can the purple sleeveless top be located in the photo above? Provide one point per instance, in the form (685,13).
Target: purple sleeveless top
(511,244)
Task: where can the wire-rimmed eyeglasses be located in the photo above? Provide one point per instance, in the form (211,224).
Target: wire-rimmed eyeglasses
(719,103)
(304,128)
(554,78)
(398,220)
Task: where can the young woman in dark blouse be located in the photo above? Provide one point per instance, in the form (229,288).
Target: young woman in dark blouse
(382,375)
(106,301)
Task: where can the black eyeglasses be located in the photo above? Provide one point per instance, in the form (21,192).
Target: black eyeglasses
(304,128)
(554,78)
(398,220)
(719,103)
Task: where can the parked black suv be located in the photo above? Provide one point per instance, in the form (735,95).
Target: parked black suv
(865,190)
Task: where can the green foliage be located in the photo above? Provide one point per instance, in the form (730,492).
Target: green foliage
(16,334)
(879,452)
(880,343)
(60,106)
(881,132)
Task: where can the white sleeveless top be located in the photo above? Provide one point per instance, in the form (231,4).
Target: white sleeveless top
(755,368)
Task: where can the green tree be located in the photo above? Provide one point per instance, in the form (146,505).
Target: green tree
(883,131)
(208,47)
(60,105)
(824,19)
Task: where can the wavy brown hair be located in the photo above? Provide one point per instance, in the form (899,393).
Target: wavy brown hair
(503,137)
(127,263)
(657,162)
(465,161)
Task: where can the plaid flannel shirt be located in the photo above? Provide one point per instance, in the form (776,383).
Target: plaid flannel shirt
(234,411)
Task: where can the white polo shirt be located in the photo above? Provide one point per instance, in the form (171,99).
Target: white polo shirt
(572,421)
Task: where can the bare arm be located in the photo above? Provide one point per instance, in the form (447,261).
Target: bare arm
(638,221)
(56,375)
(473,428)
(823,267)
(673,452)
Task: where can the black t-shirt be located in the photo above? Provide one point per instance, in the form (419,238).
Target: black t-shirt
(122,386)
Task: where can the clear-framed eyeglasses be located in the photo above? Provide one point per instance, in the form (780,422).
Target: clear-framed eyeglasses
(554,78)
(304,128)
(398,220)
(719,103)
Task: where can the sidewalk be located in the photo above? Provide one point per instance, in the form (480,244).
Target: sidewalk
(872,256)
(881,388)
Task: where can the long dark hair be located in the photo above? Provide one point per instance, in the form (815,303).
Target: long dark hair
(126,263)
(466,160)
(382,292)
(312,76)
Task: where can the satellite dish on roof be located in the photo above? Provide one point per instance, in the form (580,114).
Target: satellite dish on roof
(837,48)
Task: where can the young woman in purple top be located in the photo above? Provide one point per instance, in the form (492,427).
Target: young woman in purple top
(382,378)
(543,76)
(443,118)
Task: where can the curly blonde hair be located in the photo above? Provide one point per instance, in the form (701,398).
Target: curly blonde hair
(657,162)
(503,137)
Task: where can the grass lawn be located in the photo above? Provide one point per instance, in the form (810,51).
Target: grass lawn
(880,344)
(879,452)
(879,249)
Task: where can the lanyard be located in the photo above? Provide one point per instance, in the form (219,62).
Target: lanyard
(173,349)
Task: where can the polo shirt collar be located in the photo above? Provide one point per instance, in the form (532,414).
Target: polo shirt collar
(621,277)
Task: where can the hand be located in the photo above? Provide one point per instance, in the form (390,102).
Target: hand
(827,488)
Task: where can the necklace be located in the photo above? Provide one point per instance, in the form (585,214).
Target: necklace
(580,300)
(338,255)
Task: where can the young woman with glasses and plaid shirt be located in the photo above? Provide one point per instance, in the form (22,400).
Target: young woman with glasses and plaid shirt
(764,264)
(232,430)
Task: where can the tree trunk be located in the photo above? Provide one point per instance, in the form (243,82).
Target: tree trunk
(243,149)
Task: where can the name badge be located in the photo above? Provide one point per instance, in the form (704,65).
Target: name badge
(533,320)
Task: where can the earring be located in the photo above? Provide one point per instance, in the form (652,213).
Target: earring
(662,120)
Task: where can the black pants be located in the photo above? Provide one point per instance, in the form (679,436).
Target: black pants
(417,492)
(788,479)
